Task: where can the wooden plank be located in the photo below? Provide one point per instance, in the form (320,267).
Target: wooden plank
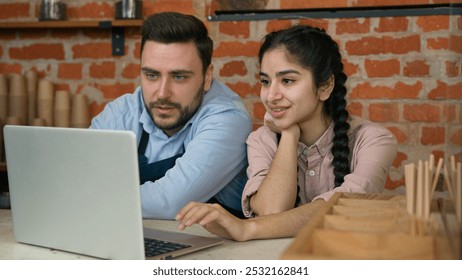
(68,24)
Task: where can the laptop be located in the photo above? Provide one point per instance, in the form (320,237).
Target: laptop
(77,190)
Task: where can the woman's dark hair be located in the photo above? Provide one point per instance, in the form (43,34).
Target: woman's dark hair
(313,49)
(172,27)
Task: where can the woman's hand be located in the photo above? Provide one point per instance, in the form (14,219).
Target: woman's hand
(213,218)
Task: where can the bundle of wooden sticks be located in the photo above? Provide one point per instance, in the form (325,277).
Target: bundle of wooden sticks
(421,182)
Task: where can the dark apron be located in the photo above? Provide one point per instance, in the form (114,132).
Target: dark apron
(155,170)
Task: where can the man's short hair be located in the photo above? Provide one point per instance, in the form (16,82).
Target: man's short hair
(172,27)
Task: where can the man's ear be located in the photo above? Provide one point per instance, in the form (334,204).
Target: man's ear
(208,77)
(325,90)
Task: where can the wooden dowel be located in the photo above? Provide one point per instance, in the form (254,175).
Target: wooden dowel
(419,189)
(448,182)
(459,192)
(409,171)
(426,191)
(436,176)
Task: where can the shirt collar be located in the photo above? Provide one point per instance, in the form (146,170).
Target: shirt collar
(322,146)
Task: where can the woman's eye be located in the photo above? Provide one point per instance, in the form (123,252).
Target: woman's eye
(287,81)
(264,82)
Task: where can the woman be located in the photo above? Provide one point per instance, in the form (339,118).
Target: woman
(318,150)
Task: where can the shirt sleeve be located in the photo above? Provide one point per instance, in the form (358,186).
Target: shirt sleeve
(214,156)
(261,150)
(373,153)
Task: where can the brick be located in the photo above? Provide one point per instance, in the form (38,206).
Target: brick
(451,68)
(233,68)
(355,109)
(350,68)
(438,44)
(383,45)
(59,86)
(131,71)
(400,135)
(375,3)
(238,29)
(7,68)
(63,33)
(245,89)
(421,113)
(456,138)
(33,34)
(319,23)
(38,51)
(92,10)
(455,43)
(417,68)
(103,70)
(392,24)
(14,10)
(445,91)
(137,50)
(393,184)
(258,111)
(352,26)
(399,159)
(8,35)
(96,108)
(92,50)
(181,6)
(399,91)
(432,135)
(382,68)
(299,4)
(274,25)
(229,49)
(71,71)
(97,34)
(433,23)
(115,90)
(379,112)
(449,113)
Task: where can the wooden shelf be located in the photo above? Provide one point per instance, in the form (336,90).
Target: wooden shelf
(70,24)
(116,27)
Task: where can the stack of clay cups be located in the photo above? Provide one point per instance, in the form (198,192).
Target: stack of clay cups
(3,97)
(3,112)
(62,109)
(17,98)
(31,88)
(45,99)
(80,114)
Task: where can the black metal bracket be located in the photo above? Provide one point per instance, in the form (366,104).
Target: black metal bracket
(351,12)
(117,37)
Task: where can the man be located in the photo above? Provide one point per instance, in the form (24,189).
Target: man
(191,128)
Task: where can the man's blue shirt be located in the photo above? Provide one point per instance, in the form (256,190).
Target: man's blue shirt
(213,141)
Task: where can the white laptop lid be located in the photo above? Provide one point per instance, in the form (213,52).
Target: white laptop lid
(75,190)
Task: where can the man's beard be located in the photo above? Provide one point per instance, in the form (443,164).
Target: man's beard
(186,113)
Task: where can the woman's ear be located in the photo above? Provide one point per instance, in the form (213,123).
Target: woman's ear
(325,90)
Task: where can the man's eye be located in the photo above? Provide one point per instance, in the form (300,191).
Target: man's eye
(151,76)
(179,77)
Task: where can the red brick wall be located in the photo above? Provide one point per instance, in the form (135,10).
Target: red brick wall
(405,72)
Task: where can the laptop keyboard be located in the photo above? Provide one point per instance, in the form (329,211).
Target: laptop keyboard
(154,247)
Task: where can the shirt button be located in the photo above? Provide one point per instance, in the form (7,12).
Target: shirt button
(312,173)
